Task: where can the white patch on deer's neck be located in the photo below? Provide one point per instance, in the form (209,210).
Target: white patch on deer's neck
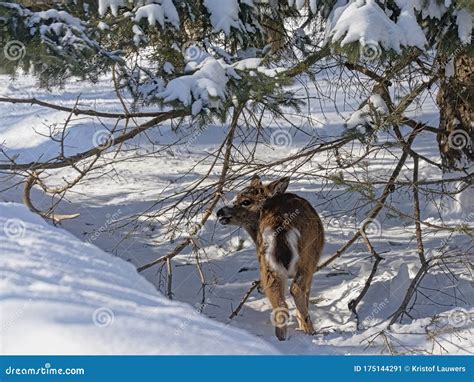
(269,240)
(292,238)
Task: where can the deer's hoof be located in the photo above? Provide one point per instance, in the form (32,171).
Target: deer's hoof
(280,333)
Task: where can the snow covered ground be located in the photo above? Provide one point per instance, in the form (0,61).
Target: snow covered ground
(63,296)
(229,261)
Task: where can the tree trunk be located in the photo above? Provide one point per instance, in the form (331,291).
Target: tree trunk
(455,101)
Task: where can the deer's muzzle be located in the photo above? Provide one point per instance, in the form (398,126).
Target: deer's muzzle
(224,215)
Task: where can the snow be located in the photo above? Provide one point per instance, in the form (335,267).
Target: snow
(431,8)
(224,14)
(449,69)
(206,85)
(153,13)
(85,301)
(71,286)
(364,21)
(103,26)
(158,13)
(297,3)
(114,6)
(464,22)
(364,116)
(249,63)
(407,22)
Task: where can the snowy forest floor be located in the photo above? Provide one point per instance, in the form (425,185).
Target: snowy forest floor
(138,178)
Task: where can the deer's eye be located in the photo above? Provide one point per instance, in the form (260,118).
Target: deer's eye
(246,202)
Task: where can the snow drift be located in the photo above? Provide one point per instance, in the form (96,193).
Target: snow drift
(62,296)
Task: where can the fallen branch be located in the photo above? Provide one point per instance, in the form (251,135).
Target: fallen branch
(30,182)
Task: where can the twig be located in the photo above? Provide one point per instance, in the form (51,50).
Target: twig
(389,188)
(354,302)
(213,202)
(246,296)
(169,286)
(76,111)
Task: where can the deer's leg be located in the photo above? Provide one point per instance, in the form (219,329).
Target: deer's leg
(300,290)
(274,286)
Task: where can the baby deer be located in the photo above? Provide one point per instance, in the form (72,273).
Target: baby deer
(289,237)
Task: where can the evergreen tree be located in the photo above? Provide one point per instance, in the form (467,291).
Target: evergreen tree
(204,56)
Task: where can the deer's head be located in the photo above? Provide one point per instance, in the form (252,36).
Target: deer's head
(245,210)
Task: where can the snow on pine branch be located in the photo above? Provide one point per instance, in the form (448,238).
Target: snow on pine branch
(207,85)
(364,21)
(464,22)
(374,108)
(166,12)
(224,14)
(59,30)
(155,12)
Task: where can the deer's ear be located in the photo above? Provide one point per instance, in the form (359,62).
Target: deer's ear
(278,186)
(256,182)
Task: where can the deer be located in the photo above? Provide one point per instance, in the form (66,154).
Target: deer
(289,239)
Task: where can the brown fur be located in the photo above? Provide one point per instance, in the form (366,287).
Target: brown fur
(271,216)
